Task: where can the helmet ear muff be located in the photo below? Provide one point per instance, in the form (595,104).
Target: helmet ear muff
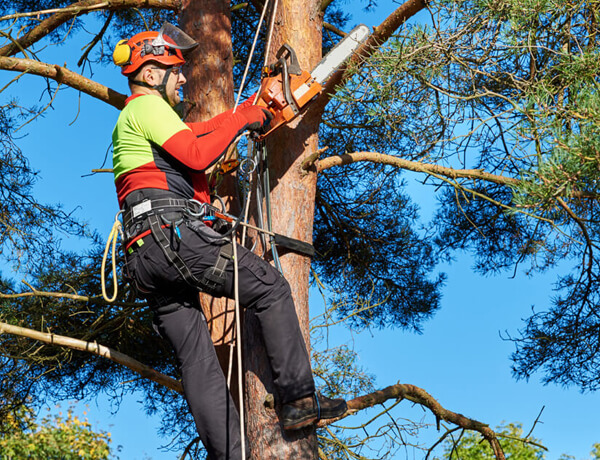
(122,54)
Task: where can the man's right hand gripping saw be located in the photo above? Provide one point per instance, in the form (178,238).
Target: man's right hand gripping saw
(159,165)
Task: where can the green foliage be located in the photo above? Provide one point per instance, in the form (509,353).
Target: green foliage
(55,437)
(471,446)
(371,254)
(27,226)
(507,87)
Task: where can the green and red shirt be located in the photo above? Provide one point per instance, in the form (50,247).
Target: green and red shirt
(153,148)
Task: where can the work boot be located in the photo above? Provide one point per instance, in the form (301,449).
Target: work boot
(310,409)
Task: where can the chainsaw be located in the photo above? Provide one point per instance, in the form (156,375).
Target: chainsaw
(286,90)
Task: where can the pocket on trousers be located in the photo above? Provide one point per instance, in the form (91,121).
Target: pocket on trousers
(261,270)
(207,234)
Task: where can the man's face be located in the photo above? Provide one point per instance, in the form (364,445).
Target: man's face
(155,75)
(174,83)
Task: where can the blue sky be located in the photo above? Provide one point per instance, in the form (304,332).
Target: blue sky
(460,358)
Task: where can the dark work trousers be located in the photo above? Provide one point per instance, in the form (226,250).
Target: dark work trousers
(180,320)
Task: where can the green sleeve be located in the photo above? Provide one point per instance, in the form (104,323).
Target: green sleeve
(154,118)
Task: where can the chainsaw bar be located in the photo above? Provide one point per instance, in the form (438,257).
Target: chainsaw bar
(339,53)
(286,90)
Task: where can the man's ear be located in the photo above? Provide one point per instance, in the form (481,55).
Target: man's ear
(147,75)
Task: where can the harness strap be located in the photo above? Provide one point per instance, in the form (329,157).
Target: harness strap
(213,278)
(163,241)
(159,206)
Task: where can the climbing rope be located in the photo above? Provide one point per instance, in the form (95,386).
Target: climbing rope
(117,229)
(252,48)
(237,319)
(238,335)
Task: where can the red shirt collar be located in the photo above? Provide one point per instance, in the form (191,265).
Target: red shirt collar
(132,97)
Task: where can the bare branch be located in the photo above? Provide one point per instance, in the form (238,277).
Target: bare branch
(85,6)
(96,39)
(76,9)
(417,166)
(335,30)
(66,76)
(420,396)
(63,295)
(94,348)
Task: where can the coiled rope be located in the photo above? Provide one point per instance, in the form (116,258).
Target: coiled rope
(116,230)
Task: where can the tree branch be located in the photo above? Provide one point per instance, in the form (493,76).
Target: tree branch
(100,350)
(68,9)
(66,76)
(420,396)
(64,295)
(85,6)
(417,166)
(398,391)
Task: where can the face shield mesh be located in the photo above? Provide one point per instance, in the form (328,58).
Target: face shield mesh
(168,34)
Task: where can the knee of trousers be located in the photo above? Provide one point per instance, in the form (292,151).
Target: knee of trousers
(282,287)
(279,291)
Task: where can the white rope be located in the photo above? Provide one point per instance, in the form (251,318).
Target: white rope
(238,335)
(112,241)
(262,16)
(270,36)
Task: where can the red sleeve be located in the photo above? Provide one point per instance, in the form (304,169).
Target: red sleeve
(203,127)
(198,151)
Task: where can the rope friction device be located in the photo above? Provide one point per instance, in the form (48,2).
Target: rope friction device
(286,90)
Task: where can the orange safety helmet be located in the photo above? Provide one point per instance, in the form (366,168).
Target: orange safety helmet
(165,46)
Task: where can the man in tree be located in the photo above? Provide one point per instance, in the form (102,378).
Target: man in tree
(171,253)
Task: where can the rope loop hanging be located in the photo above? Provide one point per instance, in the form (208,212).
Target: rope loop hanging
(111,244)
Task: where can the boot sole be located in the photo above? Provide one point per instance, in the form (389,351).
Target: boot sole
(300,424)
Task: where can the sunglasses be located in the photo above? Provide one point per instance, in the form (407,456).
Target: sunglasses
(175,70)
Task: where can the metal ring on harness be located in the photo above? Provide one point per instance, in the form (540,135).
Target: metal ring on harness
(201,209)
(247,171)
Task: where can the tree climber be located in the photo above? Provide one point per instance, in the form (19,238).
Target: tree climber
(159,163)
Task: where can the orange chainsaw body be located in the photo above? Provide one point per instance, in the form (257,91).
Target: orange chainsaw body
(286,94)
(286,89)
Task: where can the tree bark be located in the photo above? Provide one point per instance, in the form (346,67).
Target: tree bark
(210,87)
(299,24)
(209,73)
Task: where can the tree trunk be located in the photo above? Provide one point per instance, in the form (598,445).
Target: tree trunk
(299,24)
(209,73)
(210,85)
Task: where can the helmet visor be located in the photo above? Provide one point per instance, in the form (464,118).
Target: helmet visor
(174,37)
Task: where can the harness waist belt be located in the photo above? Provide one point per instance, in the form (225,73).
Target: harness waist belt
(141,210)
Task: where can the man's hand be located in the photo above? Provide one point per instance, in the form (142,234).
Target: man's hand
(258,118)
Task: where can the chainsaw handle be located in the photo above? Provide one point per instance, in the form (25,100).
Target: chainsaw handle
(285,83)
(294,66)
